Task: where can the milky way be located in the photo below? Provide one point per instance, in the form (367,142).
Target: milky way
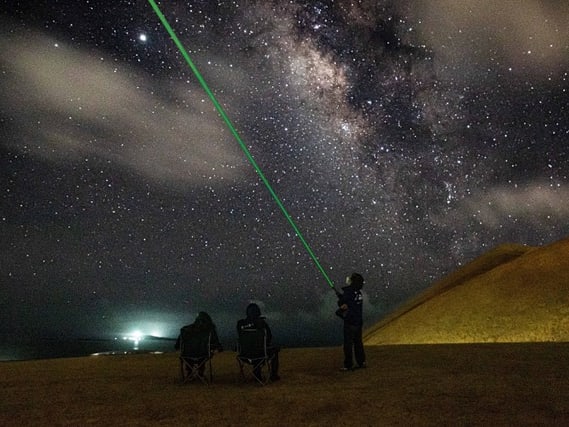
(404,141)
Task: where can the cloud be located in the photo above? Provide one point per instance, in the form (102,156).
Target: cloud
(525,35)
(67,105)
(533,203)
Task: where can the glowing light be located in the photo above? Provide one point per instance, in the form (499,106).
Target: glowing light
(142,37)
(135,337)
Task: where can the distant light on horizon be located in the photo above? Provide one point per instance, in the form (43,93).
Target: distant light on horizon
(135,337)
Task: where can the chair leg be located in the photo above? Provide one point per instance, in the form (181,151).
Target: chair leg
(199,372)
(189,372)
(241,370)
(255,371)
(182,371)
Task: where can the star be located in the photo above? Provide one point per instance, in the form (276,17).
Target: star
(402,143)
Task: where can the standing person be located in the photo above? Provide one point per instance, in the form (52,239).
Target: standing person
(350,302)
(253,322)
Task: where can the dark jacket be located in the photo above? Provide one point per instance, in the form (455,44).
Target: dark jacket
(352,297)
(254,321)
(254,324)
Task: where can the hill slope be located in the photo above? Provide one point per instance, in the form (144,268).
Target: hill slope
(513,293)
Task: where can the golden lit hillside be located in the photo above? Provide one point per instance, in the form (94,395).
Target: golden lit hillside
(513,293)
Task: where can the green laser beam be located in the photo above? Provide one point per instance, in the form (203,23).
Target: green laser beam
(238,138)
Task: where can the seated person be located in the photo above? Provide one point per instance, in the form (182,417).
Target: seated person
(254,321)
(197,334)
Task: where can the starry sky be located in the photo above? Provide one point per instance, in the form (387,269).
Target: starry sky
(403,137)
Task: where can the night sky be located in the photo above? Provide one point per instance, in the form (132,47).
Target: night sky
(404,137)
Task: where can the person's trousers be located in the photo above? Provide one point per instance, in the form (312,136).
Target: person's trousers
(274,351)
(353,345)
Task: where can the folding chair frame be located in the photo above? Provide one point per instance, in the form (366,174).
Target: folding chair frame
(191,364)
(249,363)
(248,366)
(190,369)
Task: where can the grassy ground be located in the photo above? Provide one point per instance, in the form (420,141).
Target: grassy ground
(486,384)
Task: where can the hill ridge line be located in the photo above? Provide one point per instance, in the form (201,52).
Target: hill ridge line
(500,255)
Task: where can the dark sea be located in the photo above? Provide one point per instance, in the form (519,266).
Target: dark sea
(14,348)
(45,348)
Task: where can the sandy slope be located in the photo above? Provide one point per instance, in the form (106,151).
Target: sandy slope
(511,294)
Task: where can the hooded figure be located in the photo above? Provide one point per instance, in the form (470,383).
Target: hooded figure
(202,325)
(254,321)
(253,312)
(350,303)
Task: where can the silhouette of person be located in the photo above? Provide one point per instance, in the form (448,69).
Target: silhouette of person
(253,322)
(350,303)
(197,334)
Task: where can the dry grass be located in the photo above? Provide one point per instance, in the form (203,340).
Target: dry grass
(498,384)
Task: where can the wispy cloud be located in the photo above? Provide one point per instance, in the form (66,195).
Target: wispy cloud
(532,203)
(527,35)
(68,104)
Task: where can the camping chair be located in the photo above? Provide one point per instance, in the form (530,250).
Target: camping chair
(195,356)
(252,355)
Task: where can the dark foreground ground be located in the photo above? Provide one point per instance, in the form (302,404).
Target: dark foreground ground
(486,384)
